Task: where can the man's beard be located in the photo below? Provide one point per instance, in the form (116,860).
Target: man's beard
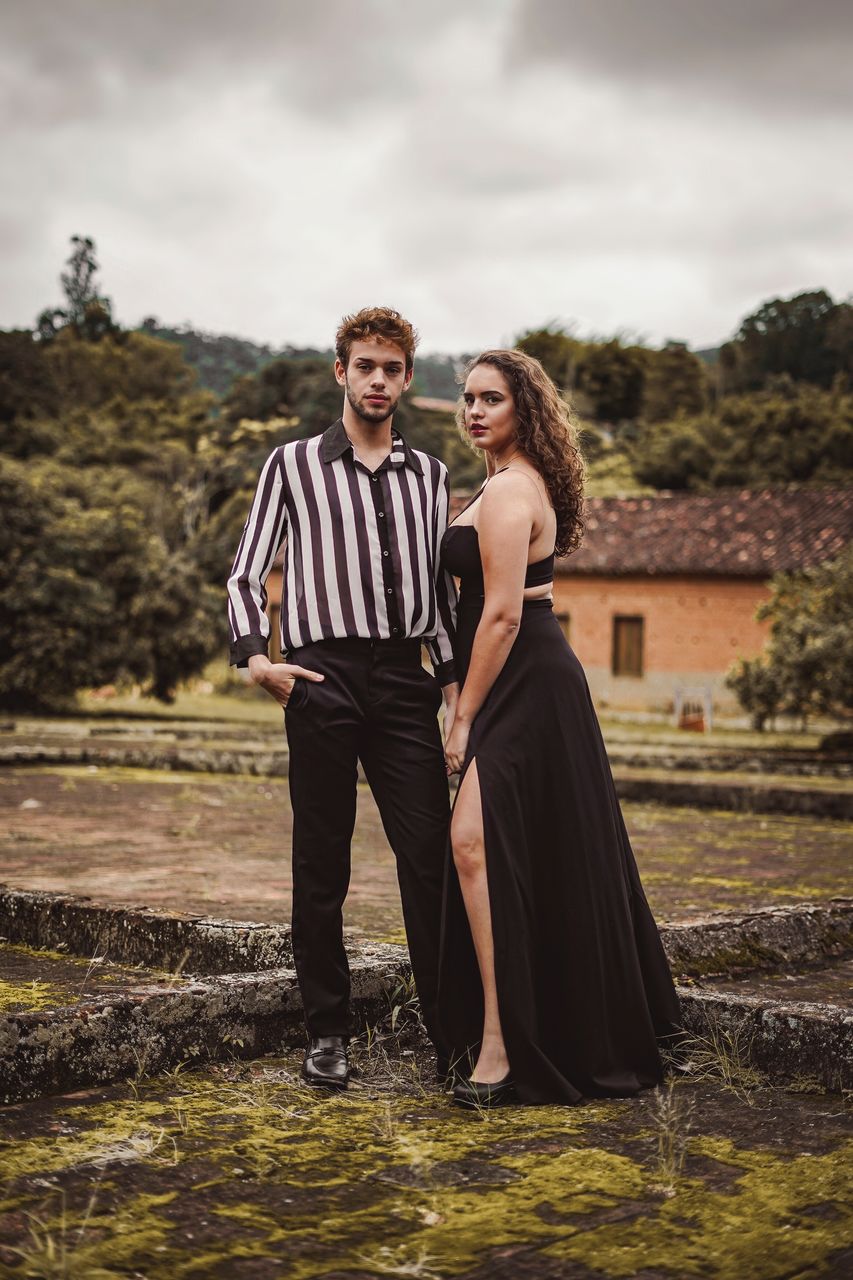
(371,413)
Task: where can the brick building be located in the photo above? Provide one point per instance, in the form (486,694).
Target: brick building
(662,594)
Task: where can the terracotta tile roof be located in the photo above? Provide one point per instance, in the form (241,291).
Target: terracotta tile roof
(746,533)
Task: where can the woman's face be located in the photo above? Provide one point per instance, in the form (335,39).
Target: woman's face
(490,417)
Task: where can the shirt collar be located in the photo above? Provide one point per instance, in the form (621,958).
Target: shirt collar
(336,442)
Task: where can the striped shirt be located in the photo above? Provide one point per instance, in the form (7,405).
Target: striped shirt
(361,550)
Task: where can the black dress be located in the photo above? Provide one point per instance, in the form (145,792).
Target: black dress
(584,988)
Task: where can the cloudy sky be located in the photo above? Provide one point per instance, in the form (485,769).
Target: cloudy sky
(652,166)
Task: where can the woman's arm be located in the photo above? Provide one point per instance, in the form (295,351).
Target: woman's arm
(507,515)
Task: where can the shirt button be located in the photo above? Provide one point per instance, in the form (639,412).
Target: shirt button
(390,591)
(381,515)
(374,479)
(385,553)
(395,631)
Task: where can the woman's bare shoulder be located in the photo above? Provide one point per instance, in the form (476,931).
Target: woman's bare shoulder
(512,488)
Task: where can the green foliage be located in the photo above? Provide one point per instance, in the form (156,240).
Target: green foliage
(303,389)
(756,686)
(795,434)
(26,384)
(136,368)
(437,376)
(807,337)
(675,381)
(107,472)
(807,669)
(612,378)
(555,350)
(90,591)
(217,358)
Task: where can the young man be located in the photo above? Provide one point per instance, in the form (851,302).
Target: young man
(363,516)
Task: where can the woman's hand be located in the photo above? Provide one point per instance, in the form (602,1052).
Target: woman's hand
(456,745)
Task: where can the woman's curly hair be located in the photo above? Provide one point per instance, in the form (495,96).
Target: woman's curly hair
(547,434)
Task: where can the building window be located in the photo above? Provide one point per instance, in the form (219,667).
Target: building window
(565,621)
(627,646)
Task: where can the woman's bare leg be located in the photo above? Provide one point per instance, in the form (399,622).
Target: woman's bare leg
(469,855)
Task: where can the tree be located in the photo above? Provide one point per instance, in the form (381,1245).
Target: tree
(676,381)
(286,388)
(807,668)
(87,312)
(90,592)
(794,434)
(554,349)
(612,377)
(27,389)
(807,337)
(674,455)
(756,686)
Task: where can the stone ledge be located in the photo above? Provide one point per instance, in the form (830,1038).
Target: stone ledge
(268,762)
(738,798)
(726,942)
(145,1029)
(760,941)
(167,940)
(262,762)
(786,1040)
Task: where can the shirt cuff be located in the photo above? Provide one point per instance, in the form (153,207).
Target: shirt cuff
(445,673)
(245,647)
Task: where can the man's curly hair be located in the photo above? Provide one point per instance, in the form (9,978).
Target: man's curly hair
(383,323)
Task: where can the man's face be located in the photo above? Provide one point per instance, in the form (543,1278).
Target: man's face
(374,379)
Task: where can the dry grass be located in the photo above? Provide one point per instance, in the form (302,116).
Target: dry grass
(723,1054)
(672,1119)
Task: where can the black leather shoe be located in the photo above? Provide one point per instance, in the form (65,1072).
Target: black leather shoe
(480,1097)
(326,1063)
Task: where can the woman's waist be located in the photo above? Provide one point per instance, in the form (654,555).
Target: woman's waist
(472,601)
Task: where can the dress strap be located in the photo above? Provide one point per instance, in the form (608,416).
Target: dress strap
(469,503)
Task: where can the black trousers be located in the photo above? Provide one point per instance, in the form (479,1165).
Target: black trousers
(378,705)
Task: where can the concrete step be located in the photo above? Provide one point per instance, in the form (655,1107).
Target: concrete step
(147,1029)
(725,942)
(244,1001)
(818,796)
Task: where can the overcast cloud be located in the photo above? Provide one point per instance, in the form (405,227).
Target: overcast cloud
(658,167)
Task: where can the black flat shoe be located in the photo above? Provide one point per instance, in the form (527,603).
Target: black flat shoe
(326,1063)
(478,1096)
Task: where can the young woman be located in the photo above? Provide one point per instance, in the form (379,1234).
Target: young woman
(554,984)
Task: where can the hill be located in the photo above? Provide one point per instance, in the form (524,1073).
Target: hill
(219,358)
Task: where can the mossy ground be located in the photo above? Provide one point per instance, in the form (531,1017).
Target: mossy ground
(174,840)
(33,979)
(239,1171)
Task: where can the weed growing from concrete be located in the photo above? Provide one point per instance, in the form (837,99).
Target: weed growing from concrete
(52,1251)
(724,1054)
(672,1120)
(93,963)
(393,1262)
